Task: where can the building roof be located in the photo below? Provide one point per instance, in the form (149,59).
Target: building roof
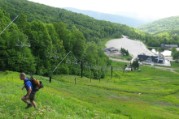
(167,53)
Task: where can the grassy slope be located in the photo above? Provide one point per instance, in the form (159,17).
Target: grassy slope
(111,98)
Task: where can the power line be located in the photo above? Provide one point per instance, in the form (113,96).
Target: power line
(9,24)
(61,62)
(22,44)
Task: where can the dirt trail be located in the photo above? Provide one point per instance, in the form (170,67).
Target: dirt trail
(119,60)
(167,69)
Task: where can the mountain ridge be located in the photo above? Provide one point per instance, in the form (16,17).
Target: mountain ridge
(162,25)
(121,19)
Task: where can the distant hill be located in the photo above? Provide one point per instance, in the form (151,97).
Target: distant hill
(110,17)
(163,25)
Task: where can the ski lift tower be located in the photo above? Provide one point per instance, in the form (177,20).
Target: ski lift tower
(21,45)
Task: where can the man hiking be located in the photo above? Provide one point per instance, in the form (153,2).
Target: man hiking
(30,96)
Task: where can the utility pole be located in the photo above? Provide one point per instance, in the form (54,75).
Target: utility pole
(81,66)
(111,72)
(51,73)
(21,45)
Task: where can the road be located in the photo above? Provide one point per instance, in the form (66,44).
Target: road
(119,60)
(157,67)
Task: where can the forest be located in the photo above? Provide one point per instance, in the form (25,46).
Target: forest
(164,30)
(41,36)
(162,25)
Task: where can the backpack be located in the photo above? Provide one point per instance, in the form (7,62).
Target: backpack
(36,84)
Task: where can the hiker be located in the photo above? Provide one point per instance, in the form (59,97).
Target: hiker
(30,96)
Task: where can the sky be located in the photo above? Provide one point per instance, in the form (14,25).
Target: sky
(140,9)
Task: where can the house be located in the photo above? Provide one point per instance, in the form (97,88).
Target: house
(177,49)
(167,53)
(111,50)
(160,59)
(143,57)
(169,46)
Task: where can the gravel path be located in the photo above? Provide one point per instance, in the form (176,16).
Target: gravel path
(134,47)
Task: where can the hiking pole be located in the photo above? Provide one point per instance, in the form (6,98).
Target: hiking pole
(61,61)
(9,24)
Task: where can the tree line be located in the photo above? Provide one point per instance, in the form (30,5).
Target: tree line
(41,36)
(37,47)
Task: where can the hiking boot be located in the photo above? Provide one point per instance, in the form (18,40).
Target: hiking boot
(35,107)
(28,106)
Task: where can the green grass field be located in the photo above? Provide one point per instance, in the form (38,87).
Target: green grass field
(148,94)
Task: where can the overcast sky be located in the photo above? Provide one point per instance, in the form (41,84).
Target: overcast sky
(142,9)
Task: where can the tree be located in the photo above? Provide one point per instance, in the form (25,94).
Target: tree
(91,53)
(22,22)
(41,46)
(124,52)
(175,54)
(64,34)
(135,64)
(78,43)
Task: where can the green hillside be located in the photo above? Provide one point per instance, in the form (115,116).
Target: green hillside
(135,95)
(167,24)
(91,28)
(41,36)
(165,31)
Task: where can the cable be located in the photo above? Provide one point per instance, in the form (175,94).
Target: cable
(9,24)
(61,62)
